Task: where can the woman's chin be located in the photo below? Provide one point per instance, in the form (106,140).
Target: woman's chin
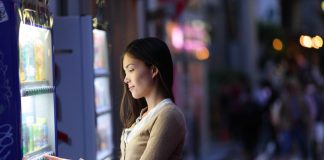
(136,96)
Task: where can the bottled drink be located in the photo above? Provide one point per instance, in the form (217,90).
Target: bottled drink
(39,60)
(25,138)
(29,128)
(28,63)
(36,136)
(22,71)
(43,131)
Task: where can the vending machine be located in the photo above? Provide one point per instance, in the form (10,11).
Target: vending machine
(81,59)
(27,99)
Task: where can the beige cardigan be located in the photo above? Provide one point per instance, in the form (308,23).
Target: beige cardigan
(160,138)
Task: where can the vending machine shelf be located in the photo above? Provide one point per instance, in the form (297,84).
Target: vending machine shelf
(36,90)
(27,84)
(39,154)
(101,72)
(102,110)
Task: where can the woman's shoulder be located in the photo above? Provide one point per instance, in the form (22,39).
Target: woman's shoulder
(171,107)
(171,111)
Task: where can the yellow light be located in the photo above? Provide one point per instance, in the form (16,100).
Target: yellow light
(317,42)
(306,41)
(322,5)
(202,54)
(277,44)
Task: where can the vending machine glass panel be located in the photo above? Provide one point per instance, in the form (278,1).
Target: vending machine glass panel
(37,91)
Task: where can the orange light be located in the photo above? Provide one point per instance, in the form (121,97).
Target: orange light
(202,54)
(277,44)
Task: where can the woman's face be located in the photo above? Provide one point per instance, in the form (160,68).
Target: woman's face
(138,77)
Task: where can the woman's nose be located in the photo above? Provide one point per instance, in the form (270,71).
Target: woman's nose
(126,80)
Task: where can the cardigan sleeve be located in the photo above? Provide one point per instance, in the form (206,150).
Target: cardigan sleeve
(167,135)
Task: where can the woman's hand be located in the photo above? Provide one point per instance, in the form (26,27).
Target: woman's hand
(48,157)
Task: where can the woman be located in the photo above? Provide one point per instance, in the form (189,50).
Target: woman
(154,126)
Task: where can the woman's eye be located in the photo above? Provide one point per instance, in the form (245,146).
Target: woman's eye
(130,70)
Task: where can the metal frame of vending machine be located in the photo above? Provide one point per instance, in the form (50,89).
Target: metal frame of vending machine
(27,91)
(74,60)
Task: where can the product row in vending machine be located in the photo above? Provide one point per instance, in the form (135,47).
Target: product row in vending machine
(83,89)
(27,105)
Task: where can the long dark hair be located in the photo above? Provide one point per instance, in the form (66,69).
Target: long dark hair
(153,52)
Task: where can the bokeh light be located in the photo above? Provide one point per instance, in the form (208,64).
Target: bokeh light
(202,54)
(306,41)
(277,44)
(317,42)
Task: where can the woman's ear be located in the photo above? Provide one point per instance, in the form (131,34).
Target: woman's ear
(155,71)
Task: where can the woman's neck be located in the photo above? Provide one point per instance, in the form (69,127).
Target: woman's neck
(152,101)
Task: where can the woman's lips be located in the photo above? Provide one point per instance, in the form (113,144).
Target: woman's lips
(131,88)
